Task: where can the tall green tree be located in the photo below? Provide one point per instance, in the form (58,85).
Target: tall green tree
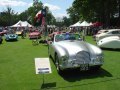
(66,21)
(8,17)
(94,10)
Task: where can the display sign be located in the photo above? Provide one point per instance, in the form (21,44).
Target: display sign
(42,66)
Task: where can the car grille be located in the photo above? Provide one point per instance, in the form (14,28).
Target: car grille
(12,35)
(82,57)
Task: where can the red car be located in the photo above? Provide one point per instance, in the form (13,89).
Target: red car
(34,35)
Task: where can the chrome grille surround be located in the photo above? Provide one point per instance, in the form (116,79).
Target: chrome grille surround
(82,57)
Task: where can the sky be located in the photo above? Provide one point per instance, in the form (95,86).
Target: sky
(57,7)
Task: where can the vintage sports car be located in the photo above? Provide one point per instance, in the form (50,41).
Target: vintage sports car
(69,51)
(110,32)
(110,42)
(34,35)
(11,36)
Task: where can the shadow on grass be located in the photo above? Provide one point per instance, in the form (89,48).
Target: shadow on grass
(11,40)
(110,49)
(48,85)
(76,75)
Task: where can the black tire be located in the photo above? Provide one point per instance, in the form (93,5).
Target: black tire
(96,68)
(1,41)
(6,40)
(57,64)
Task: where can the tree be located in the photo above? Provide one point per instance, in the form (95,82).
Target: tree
(66,21)
(94,10)
(7,17)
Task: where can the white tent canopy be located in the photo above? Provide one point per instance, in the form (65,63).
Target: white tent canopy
(22,24)
(85,24)
(76,24)
(51,26)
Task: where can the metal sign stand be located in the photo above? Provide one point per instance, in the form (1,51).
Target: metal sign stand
(43,79)
(42,66)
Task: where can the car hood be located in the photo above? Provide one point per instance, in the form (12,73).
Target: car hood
(73,47)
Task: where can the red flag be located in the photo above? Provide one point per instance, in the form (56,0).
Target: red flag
(38,18)
(43,21)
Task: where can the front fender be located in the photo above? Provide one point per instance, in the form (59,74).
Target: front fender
(60,51)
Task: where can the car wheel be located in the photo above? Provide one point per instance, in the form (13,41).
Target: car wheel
(97,67)
(57,64)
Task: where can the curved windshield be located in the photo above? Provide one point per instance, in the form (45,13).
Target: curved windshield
(67,36)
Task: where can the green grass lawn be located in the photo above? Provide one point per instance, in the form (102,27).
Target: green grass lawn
(17,70)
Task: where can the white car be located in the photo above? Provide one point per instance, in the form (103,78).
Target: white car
(110,32)
(99,32)
(110,42)
(69,51)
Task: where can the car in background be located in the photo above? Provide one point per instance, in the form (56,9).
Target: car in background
(11,36)
(1,31)
(1,39)
(99,32)
(18,32)
(34,34)
(69,51)
(5,31)
(110,32)
(110,42)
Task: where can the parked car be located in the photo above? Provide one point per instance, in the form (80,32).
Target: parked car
(1,39)
(110,32)
(110,42)
(11,36)
(19,32)
(34,34)
(69,51)
(1,31)
(99,32)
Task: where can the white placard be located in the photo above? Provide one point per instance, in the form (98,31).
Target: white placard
(42,66)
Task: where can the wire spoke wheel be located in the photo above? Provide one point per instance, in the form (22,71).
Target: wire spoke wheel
(57,64)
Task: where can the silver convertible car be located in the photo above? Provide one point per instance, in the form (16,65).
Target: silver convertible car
(69,51)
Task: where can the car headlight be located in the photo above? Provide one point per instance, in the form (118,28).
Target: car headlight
(99,58)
